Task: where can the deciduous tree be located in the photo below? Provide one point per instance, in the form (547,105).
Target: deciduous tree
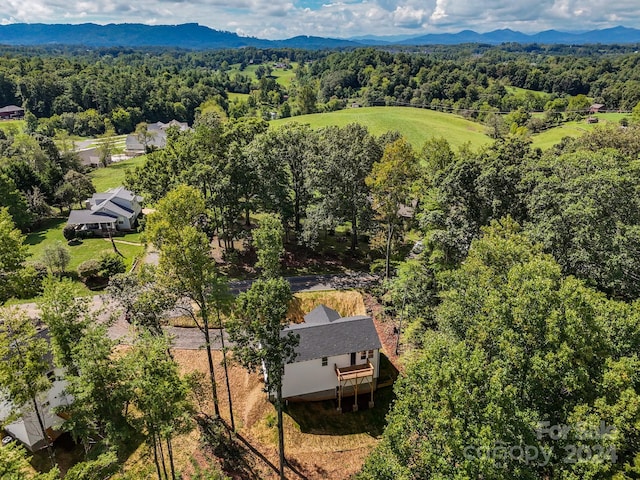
(259,341)
(392,182)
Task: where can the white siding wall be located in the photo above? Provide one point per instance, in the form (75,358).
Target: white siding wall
(27,428)
(302,378)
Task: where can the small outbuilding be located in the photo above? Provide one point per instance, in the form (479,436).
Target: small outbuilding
(11,111)
(336,357)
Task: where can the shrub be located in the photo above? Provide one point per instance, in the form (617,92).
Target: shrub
(111,264)
(89,269)
(69,232)
(56,256)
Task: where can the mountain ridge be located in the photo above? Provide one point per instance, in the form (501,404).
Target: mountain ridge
(195,36)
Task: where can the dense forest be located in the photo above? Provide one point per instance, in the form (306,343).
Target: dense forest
(86,92)
(520,299)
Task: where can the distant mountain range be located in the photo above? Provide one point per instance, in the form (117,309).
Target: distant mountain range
(194,36)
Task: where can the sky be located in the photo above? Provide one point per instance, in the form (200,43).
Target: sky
(279,19)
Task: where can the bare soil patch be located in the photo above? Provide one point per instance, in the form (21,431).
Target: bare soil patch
(320,443)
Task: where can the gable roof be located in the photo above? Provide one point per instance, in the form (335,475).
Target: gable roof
(327,336)
(117,192)
(108,206)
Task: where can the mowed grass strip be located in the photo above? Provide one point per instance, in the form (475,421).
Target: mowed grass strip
(416,124)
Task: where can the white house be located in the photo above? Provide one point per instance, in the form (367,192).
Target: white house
(115,209)
(24,425)
(336,357)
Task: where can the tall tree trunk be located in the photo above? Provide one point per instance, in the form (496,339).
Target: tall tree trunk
(155,456)
(170,453)
(280,430)
(388,252)
(354,232)
(45,435)
(226,371)
(207,339)
(297,212)
(247,214)
(164,465)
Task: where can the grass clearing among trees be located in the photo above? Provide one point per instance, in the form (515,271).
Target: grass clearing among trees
(416,124)
(549,138)
(113,175)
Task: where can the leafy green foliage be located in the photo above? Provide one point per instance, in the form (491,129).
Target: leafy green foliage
(14,465)
(13,252)
(67,319)
(393,188)
(518,344)
(258,340)
(583,207)
(267,239)
(345,159)
(56,256)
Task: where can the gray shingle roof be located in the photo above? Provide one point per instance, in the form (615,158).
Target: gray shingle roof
(11,108)
(333,337)
(321,314)
(80,217)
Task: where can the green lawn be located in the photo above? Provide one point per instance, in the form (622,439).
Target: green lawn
(51,232)
(113,175)
(416,124)
(16,125)
(549,138)
(282,76)
(237,96)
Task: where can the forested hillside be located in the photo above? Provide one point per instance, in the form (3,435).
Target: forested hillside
(508,275)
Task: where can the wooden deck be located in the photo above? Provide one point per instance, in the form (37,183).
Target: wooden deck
(355,377)
(354,371)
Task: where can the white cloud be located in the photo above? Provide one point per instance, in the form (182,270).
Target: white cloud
(336,18)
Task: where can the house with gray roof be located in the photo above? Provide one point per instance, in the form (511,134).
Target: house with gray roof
(336,357)
(155,138)
(115,209)
(11,111)
(21,422)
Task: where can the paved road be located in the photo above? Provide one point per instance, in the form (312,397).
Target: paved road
(192,338)
(310,283)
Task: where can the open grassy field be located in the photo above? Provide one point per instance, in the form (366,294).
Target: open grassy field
(113,175)
(237,96)
(549,138)
(282,76)
(416,124)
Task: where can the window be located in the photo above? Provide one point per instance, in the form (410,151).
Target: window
(363,355)
(325,361)
(370,354)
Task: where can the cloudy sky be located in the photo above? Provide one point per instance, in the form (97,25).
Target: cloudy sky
(277,19)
